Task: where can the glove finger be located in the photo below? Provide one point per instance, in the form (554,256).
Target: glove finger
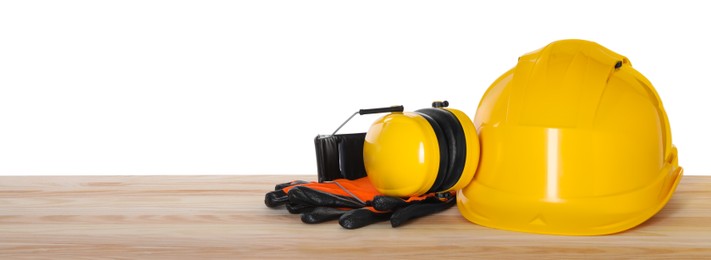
(418,210)
(321,214)
(361,217)
(306,195)
(387,203)
(287,184)
(275,198)
(298,208)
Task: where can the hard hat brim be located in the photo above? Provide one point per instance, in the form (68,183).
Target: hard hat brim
(482,205)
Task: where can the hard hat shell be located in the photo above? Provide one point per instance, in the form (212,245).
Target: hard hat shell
(413,153)
(574,142)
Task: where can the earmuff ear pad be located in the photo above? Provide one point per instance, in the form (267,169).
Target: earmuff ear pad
(455,143)
(443,148)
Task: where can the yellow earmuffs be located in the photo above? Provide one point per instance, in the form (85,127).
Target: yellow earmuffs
(430,150)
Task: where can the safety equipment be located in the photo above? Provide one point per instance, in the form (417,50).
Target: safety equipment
(574,142)
(430,150)
(355,203)
(341,155)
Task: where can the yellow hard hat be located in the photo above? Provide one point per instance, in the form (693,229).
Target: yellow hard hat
(574,142)
(429,150)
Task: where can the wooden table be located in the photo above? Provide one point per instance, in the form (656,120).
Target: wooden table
(203,217)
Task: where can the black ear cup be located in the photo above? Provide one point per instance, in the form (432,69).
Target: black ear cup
(443,148)
(340,156)
(452,141)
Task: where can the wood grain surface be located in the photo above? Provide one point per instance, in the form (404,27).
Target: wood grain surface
(214,217)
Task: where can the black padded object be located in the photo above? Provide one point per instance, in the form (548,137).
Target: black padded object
(443,149)
(456,144)
(340,156)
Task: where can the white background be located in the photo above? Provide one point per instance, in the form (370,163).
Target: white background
(242,87)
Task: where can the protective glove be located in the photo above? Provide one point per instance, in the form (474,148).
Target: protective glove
(355,203)
(414,207)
